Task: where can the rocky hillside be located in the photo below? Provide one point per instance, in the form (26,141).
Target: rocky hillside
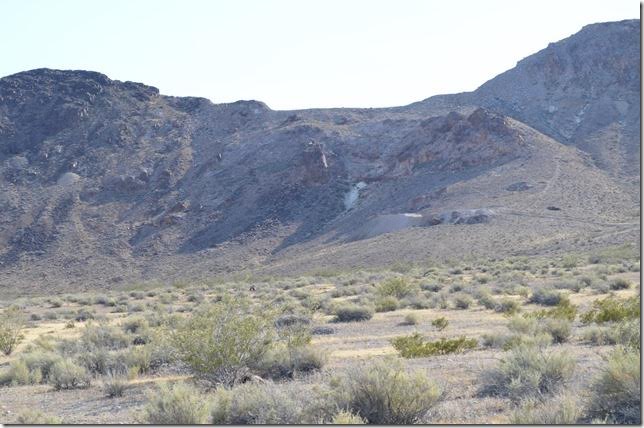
(103,182)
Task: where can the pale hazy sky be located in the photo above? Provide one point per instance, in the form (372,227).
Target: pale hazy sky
(294,53)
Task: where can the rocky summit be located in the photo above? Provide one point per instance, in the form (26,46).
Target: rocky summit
(105,183)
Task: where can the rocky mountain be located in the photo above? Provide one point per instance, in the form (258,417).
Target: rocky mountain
(104,183)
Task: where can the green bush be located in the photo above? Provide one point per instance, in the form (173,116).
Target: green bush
(559,410)
(384,393)
(612,310)
(12,321)
(414,346)
(349,313)
(67,375)
(616,392)
(221,342)
(440,323)
(529,372)
(180,404)
(386,304)
(564,310)
(396,287)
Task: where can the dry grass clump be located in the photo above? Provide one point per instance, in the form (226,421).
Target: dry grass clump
(36,417)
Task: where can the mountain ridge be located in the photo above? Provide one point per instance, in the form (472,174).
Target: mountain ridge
(105,183)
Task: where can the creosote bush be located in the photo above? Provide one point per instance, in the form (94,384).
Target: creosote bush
(386,304)
(414,346)
(180,404)
(12,322)
(396,287)
(612,310)
(221,342)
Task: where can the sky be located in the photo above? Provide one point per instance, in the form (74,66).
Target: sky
(294,54)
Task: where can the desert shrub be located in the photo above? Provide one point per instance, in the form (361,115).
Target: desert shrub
(562,409)
(386,304)
(462,302)
(262,403)
(114,385)
(284,363)
(559,329)
(51,315)
(529,372)
(83,315)
(440,323)
(434,288)
(612,310)
(18,374)
(574,286)
(384,393)
(487,301)
(222,341)
(564,310)
(415,302)
(414,346)
(36,417)
(620,284)
(35,317)
(599,335)
(55,303)
(396,287)
(40,361)
(180,404)
(136,307)
(539,340)
(616,392)
(135,325)
(348,313)
(344,417)
(322,330)
(104,336)
(12,322)
(507,306)
(545,296)
(67,375)
(410,319)
(456,288)
(586,281)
